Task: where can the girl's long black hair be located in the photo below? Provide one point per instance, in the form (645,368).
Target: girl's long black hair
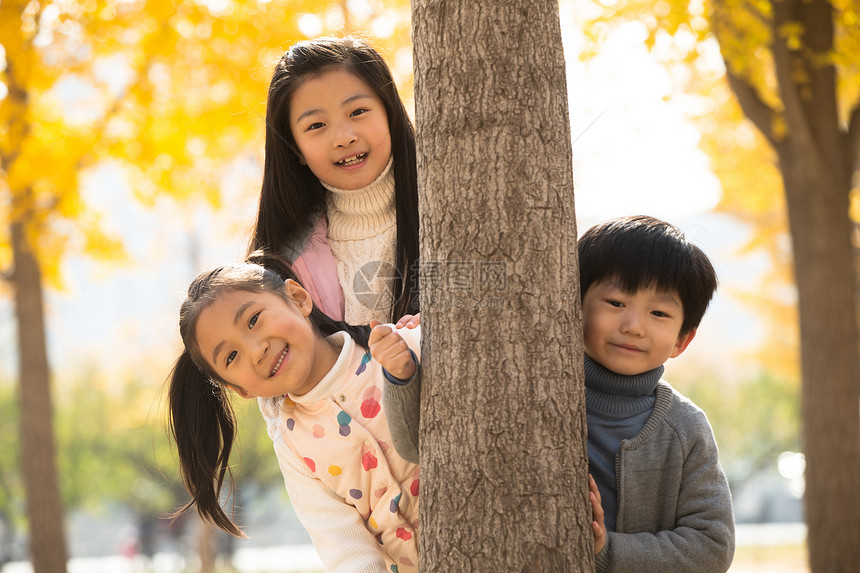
(290,193)
(202,421)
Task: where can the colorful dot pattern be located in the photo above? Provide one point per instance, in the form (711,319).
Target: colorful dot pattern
(345,442)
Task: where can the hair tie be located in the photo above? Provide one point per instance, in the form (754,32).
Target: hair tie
(203,375)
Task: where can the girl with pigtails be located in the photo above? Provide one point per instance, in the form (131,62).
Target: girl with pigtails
(252,329)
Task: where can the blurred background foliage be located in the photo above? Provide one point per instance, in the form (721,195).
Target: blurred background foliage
(171,97)
(171,92)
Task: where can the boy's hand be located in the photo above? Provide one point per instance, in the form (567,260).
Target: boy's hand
(598,527)
(391,351)
(409,321)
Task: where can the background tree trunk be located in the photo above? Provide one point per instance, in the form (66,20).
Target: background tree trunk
(44,508)
(817,161)
(206,546)
(817,203)
(503,460)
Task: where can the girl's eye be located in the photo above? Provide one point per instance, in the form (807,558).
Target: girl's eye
(230,358)
(314,126)
(253,320)
(359,111)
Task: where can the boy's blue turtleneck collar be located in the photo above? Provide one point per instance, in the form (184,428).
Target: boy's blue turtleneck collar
(600,378)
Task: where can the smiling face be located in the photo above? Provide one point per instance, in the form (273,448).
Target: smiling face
(263,345)
(341,129)
(632,333)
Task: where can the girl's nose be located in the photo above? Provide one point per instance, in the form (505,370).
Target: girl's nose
(260,351)
(345,137)
(346,141)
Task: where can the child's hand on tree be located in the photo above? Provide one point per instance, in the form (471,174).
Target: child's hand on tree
(409,321)
(597,525)
(391,351)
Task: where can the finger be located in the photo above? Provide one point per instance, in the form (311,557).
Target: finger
(595,504)
(599,536)
(399,364)
(403,320)
(385,344)
(381,337)
(592,486)
(375,323)
(596,509)
(392,352)
(378,333)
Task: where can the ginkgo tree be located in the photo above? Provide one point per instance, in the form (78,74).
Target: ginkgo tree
(170,91)
(792,67)
(752,193)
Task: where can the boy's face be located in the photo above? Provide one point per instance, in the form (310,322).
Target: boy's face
(632,333)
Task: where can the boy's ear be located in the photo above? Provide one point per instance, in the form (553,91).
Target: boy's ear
(299,296)
(682,343)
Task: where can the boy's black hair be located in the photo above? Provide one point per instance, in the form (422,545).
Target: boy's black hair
(643,252)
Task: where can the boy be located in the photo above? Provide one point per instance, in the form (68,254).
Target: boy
(660,500)
(668,508)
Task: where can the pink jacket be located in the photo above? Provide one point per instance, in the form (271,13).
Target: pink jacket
(317,271)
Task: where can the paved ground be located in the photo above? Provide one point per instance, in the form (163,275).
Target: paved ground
(771,548)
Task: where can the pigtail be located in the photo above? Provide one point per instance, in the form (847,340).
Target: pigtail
(203,426)
(201,417)
(328,326)
(321,321)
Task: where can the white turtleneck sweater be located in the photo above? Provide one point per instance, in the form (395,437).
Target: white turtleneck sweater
(362,233)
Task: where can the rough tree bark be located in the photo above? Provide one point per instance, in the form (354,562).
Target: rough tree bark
(44,505)
(818,157)
(503,459)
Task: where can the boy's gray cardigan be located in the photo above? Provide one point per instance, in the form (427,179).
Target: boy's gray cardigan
(674,505)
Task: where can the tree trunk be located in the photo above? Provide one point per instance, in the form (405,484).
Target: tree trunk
(817,160)
(206,546)
(817,204)
(44,506)
(503,458)
(817,167)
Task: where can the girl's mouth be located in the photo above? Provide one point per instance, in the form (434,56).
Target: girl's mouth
(279,362)
(349,161)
